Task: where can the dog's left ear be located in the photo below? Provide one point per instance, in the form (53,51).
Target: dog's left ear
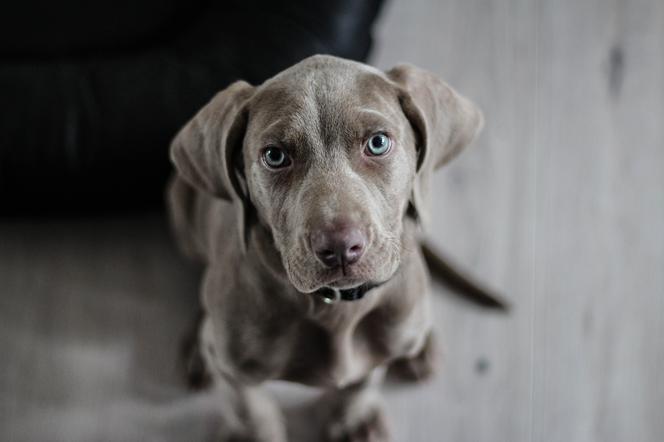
(207,151)
(444,123)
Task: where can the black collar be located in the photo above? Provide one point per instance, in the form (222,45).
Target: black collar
(330,295)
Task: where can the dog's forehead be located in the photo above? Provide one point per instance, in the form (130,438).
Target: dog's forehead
(323,74)
(321,89)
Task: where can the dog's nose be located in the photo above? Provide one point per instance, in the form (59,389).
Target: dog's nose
(340,246)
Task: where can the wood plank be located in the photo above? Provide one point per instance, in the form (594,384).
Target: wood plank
(560,205)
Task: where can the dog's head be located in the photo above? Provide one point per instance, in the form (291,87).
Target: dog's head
(330,156)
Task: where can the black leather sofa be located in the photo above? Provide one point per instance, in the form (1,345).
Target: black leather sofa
(92,92)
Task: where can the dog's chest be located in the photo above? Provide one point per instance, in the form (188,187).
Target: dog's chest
(332,346)
(342,348)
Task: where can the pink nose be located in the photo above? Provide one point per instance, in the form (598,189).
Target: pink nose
(339,246)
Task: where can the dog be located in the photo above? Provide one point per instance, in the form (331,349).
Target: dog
(305,199)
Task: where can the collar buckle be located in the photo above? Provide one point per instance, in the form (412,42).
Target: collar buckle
(329,295)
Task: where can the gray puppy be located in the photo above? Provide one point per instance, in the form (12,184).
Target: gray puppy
(304,197)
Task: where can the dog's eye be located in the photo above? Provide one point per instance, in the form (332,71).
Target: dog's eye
(275,157)
(379,144)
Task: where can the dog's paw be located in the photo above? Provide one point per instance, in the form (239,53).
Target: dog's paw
(194,370)
(369,426)
(251,432)
(248,437)
(190,359)
(239,437)
(418,368)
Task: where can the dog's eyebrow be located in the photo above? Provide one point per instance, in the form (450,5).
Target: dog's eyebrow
(366,110)
(283,131)
(372,119)
(280,130)
(270,126)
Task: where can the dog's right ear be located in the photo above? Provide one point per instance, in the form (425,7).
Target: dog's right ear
(204,151)
(207,152)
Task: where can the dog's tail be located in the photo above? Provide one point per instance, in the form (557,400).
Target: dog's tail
(462,285)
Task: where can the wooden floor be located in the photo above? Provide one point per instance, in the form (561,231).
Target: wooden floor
(560,206)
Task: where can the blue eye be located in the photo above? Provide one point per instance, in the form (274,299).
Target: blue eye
(379,144)
(275,157)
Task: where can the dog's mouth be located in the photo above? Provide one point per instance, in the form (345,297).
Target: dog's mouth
(331,294)
(345,283)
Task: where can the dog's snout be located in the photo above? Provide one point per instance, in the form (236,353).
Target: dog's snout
(339,246)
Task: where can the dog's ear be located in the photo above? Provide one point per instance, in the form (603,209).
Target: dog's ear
(207,152)
(444,123)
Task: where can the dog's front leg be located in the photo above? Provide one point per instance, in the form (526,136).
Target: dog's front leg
(355,413)
(248,414)
(419,367)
